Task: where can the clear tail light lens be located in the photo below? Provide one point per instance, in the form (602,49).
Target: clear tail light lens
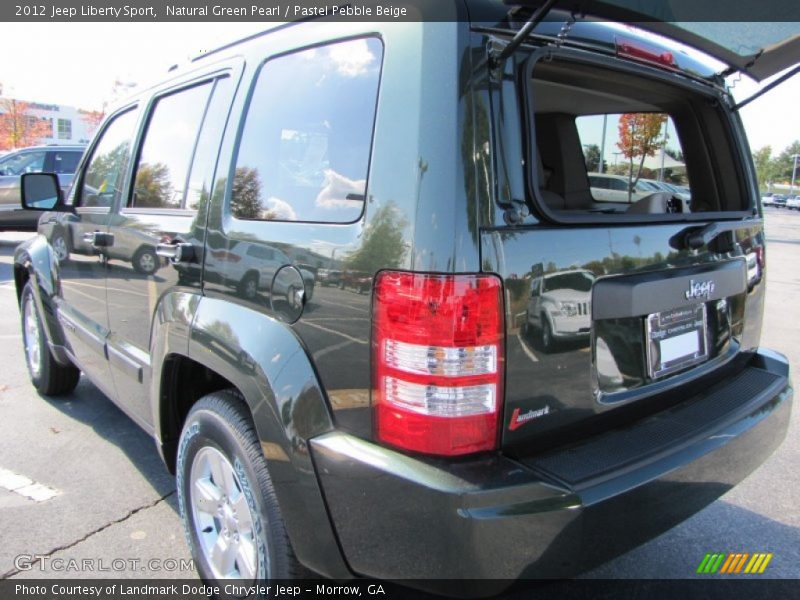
(438,361)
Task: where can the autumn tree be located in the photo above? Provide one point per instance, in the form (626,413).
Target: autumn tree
(639,137)
(92,118)
(20,128)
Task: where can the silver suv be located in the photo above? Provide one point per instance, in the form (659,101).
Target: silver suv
(61,160)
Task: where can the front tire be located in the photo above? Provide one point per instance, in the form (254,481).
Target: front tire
(60,245)
(47,376)
(230,512)
(546,336)
(146,261)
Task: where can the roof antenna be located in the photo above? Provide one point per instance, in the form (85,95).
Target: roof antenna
(536,18)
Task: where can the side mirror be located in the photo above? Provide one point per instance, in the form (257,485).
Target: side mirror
(41,191)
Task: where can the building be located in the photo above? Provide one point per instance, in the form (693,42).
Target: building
(67,124)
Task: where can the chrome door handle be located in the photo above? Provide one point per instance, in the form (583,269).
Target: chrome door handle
(99,239)
(176,253)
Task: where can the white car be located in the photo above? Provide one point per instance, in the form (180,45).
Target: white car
(614,188)
(767,200)
(560,307)
(793,202)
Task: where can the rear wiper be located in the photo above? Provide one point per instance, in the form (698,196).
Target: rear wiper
(694,238)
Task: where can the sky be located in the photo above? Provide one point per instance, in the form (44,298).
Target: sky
(76,64)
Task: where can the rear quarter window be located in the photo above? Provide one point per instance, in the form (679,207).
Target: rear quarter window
(306,140)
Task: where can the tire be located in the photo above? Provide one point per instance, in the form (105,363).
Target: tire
(60,245)
(47,376)
(248,286)
(218,437)
(546,336)
(145,261)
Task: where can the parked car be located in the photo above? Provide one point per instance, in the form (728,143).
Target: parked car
(62,160)
(768,199)
(614,188)
(779,201)
(793,202)
(402,433)
(560,307)
(329,277)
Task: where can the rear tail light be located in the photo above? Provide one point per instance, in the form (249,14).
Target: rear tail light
(438,361)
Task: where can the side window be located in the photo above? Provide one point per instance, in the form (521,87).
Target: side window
(304,155)
(169,142)
(24,162)
(65,162)
(618,185)
(104,176)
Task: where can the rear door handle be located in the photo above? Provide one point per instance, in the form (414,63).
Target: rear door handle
(179,252)
(99,239)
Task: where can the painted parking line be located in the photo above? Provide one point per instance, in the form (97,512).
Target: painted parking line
(24,486)
(525,348)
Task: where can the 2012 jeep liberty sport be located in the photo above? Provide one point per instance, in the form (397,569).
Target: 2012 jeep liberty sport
(510,377)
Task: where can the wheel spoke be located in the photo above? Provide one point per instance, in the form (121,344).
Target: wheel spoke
(246,558)
(223,556)
(207,496)
(243,515)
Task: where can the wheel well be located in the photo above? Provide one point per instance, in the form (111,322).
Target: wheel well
(183,382)
(21,277)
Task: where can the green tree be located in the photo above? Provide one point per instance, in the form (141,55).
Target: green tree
(383,246)
(246,194)
(784,163)
(591,156)
(765,166)
(153,187)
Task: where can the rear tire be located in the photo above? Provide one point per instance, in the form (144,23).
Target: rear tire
(231,516)
(47,376)
(248,286)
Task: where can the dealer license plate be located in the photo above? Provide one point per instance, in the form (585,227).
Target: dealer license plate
(676,339)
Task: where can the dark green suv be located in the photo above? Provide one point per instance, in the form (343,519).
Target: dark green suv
(415,422)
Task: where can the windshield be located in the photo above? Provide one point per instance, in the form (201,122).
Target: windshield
(25,162)
(581,282)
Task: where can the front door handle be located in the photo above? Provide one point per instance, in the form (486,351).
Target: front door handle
(179,252)
(99,239)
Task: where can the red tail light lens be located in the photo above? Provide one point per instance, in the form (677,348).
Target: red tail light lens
(643,53)
(438,361)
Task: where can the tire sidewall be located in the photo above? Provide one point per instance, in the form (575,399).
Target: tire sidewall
(37,381)
(138,258)
(206,428)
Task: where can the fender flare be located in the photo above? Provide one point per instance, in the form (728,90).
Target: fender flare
(35,260)
(268,364)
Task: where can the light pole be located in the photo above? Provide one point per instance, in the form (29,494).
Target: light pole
(794,171)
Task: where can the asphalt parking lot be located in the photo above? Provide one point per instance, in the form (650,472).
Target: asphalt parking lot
(81,483)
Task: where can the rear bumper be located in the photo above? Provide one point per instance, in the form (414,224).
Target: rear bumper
(402,518)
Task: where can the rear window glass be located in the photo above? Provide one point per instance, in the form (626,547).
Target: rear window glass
(305,146)
(631,155)
(612,142)
(580,281)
